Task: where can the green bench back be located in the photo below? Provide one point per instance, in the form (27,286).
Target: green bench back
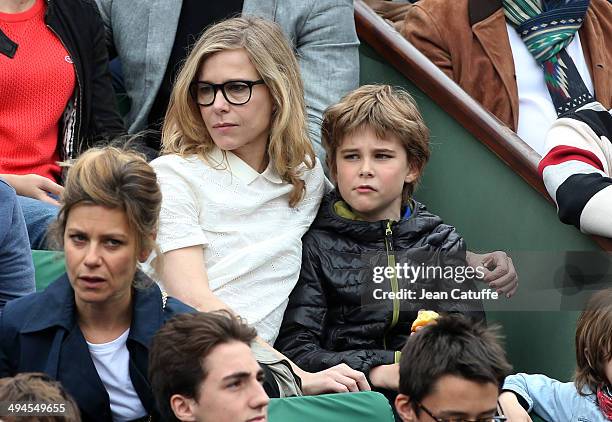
(347,407)
(48,266)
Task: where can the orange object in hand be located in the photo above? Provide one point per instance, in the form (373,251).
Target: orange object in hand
(424,318)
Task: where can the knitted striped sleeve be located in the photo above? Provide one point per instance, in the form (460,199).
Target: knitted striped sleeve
(576,168)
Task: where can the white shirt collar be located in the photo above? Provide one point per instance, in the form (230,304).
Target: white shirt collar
(240,169)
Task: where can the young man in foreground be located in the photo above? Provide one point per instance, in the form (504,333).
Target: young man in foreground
(201,369)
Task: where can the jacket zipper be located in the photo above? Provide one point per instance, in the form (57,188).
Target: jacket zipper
(78,115)
(393,281)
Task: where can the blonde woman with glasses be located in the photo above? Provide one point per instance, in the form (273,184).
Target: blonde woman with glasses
(240,183)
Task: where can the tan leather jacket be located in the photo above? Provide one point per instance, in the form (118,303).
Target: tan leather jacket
(467,40)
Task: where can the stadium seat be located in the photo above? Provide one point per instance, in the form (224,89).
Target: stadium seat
(48,267)
(365,406)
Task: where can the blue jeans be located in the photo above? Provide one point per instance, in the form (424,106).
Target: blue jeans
(16,269)
(38,215)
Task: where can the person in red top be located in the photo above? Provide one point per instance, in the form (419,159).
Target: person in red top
(56,98)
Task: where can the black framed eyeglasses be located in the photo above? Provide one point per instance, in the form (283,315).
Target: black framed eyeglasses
(437,419)
(235,92)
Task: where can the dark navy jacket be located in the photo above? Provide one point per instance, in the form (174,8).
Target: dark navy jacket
(39,333)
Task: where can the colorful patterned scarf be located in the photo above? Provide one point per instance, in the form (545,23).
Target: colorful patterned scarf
(604,400)
(547,27)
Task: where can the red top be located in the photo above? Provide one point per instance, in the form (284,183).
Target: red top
(35,87)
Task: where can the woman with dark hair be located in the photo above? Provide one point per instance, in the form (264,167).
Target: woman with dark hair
(91,328)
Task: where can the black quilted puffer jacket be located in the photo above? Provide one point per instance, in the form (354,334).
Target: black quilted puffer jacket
(336,313)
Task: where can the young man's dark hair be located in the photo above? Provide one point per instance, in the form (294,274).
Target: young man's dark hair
(181,351)
(455,353)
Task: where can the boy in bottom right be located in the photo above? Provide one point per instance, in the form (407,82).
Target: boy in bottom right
(589,397)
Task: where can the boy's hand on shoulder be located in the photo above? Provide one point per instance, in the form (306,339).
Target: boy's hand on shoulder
(512,408)
(498,269)
(385,376)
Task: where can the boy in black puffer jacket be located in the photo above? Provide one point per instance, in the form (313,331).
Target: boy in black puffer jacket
(359,290)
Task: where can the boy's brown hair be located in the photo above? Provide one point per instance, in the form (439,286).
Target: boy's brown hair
(387,111)
(594,343)
(38,388)
(182,343)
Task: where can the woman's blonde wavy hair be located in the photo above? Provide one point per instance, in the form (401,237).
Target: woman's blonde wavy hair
(184,132)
